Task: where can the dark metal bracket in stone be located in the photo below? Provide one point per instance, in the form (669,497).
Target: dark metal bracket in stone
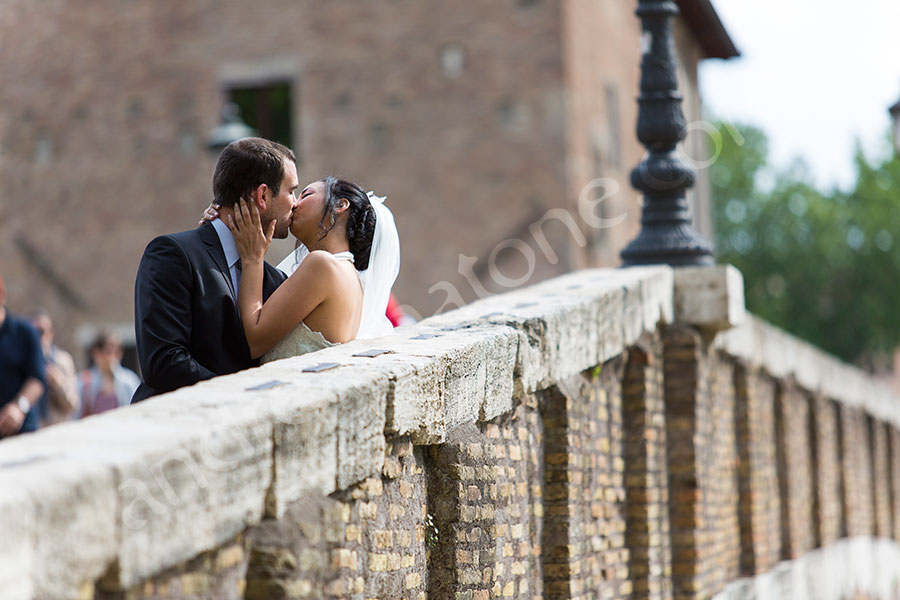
(458,327)
(265,386)
(320,367)
(373,353)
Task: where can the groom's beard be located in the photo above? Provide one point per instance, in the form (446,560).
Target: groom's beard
(282,229)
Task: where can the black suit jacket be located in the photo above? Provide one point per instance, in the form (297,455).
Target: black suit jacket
(187,325)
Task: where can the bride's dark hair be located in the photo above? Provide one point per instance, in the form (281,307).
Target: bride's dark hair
(360,218)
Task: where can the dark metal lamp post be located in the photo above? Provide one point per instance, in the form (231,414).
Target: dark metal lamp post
(666,235)
(232,128)
(895,125)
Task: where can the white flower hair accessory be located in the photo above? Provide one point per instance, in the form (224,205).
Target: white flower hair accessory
(373,197)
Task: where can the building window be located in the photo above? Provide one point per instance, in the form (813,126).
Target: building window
(344,101)
(379,137)
(453,60)
(513,115)
(267,109)
(43,149)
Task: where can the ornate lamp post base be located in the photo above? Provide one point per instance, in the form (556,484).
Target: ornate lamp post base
(666,235)
(675,245)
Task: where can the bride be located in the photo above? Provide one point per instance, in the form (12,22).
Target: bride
(340,276)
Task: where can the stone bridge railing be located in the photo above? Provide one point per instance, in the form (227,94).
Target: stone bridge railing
(607,434)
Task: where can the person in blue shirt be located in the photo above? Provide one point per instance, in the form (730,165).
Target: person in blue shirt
(21,372)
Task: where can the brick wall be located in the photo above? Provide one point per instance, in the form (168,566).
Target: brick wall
(826,429)
(703,457)
(857,472)
(585,490)
(881,478)
(681,381)
(895,481)
(107,108)
(367,542)
(718,467)
(796,474)
(220,573)
(760,497)
(648,529)
(107,105)
(485,493)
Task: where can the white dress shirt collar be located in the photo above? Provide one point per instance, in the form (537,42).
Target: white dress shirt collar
(227,240)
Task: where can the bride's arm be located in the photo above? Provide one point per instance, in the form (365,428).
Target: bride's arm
(210,214)
(266,324)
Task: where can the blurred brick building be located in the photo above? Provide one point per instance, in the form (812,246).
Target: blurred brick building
(475,118)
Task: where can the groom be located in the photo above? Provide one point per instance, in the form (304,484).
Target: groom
(187,324)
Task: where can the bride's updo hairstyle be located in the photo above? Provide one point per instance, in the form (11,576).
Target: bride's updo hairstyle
(360,218)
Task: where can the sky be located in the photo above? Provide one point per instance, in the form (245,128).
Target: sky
(815,75)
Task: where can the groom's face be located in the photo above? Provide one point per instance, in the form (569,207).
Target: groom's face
(280,207)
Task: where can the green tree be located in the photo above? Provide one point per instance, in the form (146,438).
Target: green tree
(822,265)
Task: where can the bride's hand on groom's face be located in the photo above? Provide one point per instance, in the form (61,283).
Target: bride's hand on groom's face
(210,214)
(251,240)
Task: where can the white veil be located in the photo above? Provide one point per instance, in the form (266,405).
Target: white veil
(378,279)
(293,260)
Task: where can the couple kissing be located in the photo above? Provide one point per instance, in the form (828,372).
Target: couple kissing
(206,303)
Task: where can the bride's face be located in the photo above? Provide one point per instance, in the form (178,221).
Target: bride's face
(308,212)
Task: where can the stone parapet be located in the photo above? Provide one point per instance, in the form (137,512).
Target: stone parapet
(782,355)
(140,490)
(590,435)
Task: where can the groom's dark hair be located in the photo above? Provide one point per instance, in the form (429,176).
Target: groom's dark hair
(246,163)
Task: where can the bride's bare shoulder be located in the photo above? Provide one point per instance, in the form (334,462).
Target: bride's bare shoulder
(318,263)
(322,258)
(315,276)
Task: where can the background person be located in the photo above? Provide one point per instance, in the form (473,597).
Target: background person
(107,384)
(60,402)
(21,372)
(395,313)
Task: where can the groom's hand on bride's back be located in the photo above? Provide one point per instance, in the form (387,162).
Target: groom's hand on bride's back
(210,214)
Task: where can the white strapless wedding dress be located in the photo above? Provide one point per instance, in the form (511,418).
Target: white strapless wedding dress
(302,339)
